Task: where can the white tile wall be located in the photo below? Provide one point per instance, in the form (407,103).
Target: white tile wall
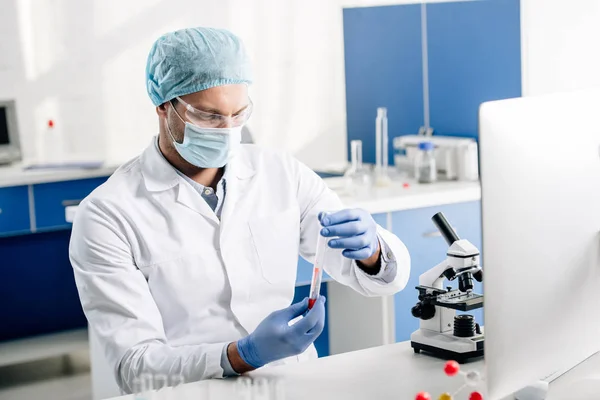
(82,63)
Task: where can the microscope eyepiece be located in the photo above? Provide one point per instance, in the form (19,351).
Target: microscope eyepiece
(445,229)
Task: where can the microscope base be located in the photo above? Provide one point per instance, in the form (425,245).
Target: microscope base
(447,346)
(444,354)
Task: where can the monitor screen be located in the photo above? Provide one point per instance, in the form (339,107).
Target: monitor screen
(3,127)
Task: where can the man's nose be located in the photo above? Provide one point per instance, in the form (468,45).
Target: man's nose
(227,122)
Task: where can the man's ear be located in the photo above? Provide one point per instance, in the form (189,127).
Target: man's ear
(162,110)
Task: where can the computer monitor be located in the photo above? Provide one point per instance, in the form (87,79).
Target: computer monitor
(10,149)
(540,175)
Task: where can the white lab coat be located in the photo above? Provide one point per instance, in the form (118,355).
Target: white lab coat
(166,285)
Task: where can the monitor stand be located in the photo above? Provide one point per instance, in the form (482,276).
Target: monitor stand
(587,387)
(537,391)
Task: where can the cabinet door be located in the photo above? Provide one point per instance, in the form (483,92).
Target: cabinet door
(38,294)
(427,248)
(51,199)
(384,68)
(474,56)
(14,210)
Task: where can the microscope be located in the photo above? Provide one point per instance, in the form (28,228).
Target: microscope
(442,333)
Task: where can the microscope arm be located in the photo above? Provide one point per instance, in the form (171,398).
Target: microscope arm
(435,276)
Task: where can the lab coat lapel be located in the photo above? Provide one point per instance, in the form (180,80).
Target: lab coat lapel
(159,176)
(239,180)
(190,198)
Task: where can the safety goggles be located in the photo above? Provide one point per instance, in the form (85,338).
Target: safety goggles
(212,120)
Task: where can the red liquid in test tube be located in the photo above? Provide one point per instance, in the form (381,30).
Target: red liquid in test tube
(315,285)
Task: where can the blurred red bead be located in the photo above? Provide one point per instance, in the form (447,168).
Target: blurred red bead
(423,396)
(451,368)
(476,396)
(50,123)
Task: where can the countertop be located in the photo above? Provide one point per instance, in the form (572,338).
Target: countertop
(401,194)
(15,175)
(406,194)
(386,372)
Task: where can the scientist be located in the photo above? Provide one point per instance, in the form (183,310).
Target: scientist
(185,259)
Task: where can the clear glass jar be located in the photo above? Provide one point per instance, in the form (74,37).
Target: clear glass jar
(425,166)
(358,180)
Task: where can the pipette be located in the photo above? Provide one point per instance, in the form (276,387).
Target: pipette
(315,285)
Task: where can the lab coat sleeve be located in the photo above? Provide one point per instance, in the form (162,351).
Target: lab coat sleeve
(120,308)
(314,197)
(389,266)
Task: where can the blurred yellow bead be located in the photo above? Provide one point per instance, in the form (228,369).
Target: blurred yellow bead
(445,396)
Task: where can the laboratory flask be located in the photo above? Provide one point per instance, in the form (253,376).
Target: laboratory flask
(357,178)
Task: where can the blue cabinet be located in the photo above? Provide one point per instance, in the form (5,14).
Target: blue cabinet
(384,68)
(474,56)
(37,290)
(14,210)
(427,249)
(52,198)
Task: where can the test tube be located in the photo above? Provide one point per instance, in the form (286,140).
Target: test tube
(356,154)
(315,285)
(381,147)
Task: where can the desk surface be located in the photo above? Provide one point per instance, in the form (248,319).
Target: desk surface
(15,175)
(385,372)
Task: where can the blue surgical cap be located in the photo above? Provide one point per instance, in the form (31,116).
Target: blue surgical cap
(190,60)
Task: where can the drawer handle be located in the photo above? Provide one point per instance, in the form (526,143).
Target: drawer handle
(0,211)
(436,233)
(67,203)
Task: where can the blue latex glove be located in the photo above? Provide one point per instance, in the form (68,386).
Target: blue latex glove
(273,339)
(355,231)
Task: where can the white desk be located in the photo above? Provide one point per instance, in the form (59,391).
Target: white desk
(385,372)
(15,175)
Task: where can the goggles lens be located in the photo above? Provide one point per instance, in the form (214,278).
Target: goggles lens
(211,120)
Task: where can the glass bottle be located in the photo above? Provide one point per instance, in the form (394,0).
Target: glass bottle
(425,165)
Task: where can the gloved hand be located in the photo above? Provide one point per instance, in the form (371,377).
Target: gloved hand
(273,339)
(356,232)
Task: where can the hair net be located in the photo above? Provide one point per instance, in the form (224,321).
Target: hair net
(195,59)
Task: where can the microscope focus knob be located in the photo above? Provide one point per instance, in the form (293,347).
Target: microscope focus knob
(423,311)
(416,311)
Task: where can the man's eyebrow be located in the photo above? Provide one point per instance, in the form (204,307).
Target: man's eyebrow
(242,109)
(215,111)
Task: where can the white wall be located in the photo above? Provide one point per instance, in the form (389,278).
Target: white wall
(560,43)
(82,63)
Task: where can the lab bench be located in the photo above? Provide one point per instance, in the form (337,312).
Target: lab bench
(38,280)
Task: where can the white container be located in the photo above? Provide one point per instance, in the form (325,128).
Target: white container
(52,144)
(425,164)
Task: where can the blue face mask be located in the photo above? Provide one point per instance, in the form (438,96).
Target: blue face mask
(207,147)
